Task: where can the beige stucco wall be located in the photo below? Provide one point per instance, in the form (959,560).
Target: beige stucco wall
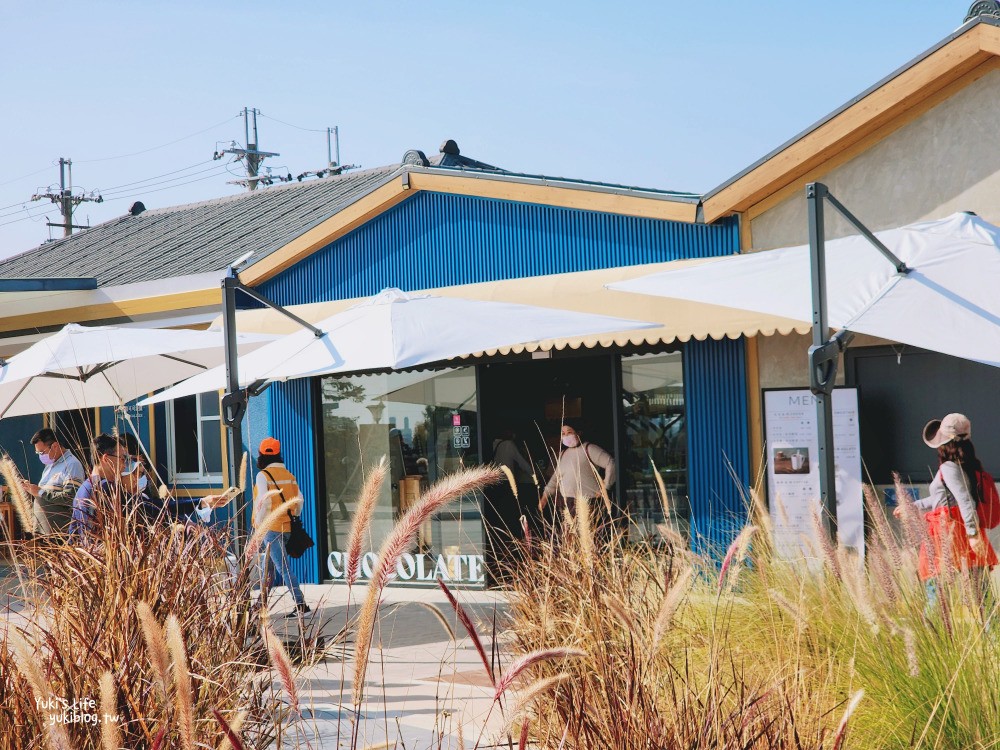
(946,160)
(942,162)
(783,364)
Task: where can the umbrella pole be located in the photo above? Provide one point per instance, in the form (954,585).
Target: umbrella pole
(824,354)
(233,405)
(234,402)
(822,369)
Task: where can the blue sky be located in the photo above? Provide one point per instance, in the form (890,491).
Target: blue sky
(657,94)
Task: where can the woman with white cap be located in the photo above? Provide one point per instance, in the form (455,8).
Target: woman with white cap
(955,537)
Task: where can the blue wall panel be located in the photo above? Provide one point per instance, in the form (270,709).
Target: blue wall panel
(291,417)
(718,440)
(433,239)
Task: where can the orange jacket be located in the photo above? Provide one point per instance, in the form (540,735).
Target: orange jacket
(283,480)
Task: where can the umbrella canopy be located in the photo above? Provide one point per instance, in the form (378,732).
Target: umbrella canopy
(395,330)
(83,367)
(948,302)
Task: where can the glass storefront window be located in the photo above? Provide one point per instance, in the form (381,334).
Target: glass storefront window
(427,423)
(655,435)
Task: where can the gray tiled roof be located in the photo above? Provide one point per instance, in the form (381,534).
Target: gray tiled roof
(209,236)
(198,237)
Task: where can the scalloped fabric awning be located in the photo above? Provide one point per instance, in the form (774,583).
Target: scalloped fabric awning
(582,291)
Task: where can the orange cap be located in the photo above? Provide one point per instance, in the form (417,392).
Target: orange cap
(270,446)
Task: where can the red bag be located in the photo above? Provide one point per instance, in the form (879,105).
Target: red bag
(988,509)
(946,548)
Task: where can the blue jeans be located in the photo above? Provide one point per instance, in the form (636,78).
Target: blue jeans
(273,556)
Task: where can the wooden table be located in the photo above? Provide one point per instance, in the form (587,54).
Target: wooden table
(7,518)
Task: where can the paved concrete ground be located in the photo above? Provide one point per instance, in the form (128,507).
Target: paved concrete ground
(422,689)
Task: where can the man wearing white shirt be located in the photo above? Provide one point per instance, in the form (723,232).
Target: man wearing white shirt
(62,475)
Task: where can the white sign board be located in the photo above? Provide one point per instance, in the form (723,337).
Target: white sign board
(792,443)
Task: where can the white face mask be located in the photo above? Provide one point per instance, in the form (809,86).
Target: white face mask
(570,441)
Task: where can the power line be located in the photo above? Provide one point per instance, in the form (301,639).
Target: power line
(21,208)
(156,177)
(297,127)
(47,212)
(26,176)
(162,145)
(12,205)
(168,187)
(216,170)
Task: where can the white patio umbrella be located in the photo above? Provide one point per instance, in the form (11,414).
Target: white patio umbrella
(931,284)
(82,367)
(948,302)
(395,330)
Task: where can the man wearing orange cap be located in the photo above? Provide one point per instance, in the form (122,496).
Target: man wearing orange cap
(273,486)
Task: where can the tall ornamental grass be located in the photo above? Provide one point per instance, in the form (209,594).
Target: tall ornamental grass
(829,651)
(141,636)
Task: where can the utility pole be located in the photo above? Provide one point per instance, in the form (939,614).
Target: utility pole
(251,156)
(333,165)
(335,132)
(65,199)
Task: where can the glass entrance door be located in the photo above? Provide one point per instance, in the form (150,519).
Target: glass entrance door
(526,402)
(427,424)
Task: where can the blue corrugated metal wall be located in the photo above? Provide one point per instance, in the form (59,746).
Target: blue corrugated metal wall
(291,406)
(435,239)
(718,440)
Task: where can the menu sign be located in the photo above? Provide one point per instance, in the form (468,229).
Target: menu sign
(792,441)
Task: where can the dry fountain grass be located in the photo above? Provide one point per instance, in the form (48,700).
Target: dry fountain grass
(146,636)
(827,652)
(141,637)
(655,672)
(614,645)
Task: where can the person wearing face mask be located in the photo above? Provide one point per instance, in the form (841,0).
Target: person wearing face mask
(155,505)
(62,474)
(107,468)
(575,479)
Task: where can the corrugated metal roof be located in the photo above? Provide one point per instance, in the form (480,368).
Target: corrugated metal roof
(198,237)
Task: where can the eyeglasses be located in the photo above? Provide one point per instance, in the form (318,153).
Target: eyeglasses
(45,449)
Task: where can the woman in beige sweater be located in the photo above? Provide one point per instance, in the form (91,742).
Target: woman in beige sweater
(575,478)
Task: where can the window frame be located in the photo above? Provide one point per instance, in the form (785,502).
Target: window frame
(203,476)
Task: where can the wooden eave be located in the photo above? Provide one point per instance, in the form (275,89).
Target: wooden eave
(906,95)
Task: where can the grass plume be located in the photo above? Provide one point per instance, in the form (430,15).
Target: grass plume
(365,509)
(399,540)
(282,664)
(182,682)
(111,736)
(156,647)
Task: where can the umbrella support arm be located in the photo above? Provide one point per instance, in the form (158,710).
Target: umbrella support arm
(253,294)
(865,232)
